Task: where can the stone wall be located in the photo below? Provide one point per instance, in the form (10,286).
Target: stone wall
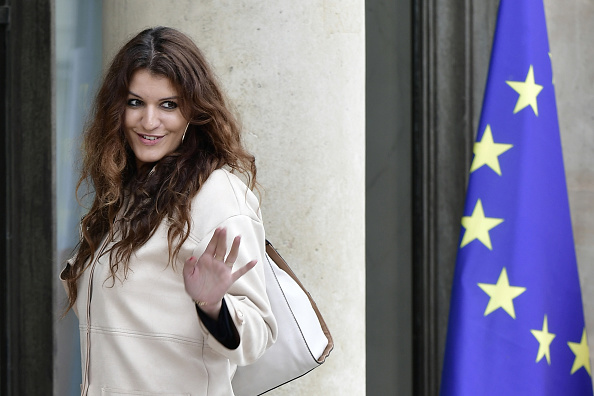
(295,72)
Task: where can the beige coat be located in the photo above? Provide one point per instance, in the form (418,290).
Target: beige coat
(145,335)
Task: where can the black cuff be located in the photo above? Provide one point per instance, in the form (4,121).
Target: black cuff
(223,328)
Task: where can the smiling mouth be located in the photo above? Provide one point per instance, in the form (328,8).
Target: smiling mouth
(149,140)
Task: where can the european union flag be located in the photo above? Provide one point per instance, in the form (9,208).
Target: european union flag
(516,323)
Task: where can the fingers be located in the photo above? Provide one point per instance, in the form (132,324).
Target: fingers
(211,248)
(232,257)
(221,246)
(217,248)
(243,270)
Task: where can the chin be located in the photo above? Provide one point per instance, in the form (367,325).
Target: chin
(142,161)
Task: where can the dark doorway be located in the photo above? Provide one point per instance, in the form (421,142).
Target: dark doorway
(27,197)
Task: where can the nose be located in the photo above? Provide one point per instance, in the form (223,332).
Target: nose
(150,119)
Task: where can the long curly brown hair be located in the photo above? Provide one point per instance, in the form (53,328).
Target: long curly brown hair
(136,199)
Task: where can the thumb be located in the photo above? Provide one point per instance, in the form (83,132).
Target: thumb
(189,266)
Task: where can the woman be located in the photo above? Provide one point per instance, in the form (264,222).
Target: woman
(159,155)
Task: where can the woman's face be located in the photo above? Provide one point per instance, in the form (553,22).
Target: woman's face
(153,122)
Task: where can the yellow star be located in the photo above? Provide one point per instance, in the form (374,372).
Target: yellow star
(477,226)
(528,91)
(486,152)
(582,354)
(544,339)
(502,294)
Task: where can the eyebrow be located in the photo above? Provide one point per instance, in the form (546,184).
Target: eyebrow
(161,99)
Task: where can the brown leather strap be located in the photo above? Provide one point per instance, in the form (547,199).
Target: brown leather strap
(282,264)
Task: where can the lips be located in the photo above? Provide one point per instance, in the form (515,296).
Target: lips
(149,140)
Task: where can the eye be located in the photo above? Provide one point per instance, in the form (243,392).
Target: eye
(134,102)
(169,105)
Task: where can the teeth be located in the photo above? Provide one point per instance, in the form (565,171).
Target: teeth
(149,137)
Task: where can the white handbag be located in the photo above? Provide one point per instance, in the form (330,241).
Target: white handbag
(303,341)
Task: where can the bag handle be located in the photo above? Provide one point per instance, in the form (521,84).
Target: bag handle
(282,264)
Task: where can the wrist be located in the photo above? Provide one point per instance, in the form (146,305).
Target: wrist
(210,309)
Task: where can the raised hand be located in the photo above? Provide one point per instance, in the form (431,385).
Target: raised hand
(208,278)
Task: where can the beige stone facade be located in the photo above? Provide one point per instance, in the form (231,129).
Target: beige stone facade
(295,72)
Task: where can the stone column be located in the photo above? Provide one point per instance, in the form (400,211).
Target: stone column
(295,72)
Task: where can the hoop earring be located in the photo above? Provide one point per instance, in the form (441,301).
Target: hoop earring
(184,135)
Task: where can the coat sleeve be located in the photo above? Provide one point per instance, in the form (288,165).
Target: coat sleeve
(226,202)
(246,300)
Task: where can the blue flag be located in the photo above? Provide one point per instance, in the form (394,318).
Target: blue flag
(516,324)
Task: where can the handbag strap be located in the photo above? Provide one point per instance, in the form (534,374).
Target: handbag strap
(282,264)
